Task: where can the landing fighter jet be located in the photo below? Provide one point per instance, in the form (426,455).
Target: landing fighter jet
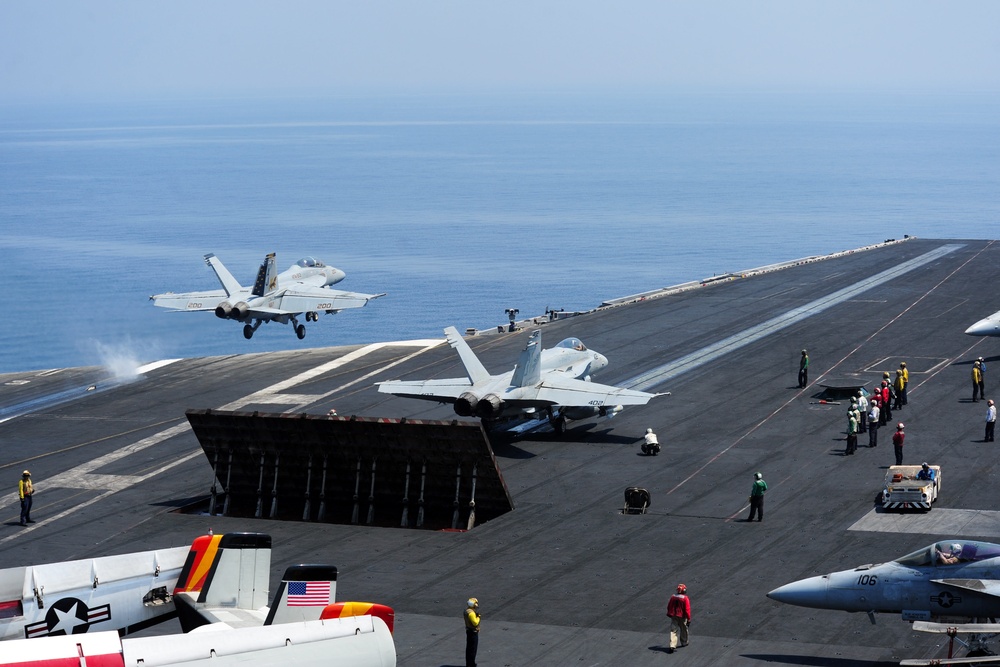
(303,288)
(954,579)
(988,326)
(556,380)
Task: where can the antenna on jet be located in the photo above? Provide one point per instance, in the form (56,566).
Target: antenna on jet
(512,315)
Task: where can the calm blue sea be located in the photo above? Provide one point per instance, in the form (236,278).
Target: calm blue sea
(458,206)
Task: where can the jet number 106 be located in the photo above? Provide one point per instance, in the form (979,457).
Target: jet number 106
(867,580)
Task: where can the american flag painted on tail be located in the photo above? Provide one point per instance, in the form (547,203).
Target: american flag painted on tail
(308,593)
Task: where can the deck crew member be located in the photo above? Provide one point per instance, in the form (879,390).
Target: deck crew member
(757,492)
(897,443)
(906,379)
(803,370)
(926,472)
(24,492)
(650,445)
(863,409)
(852,430)
(899,387)
(991,420)
(977,381)
(873,423)
(982,378)
(472,618)
(679,611)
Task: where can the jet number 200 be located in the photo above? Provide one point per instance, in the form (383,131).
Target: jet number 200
(868,580)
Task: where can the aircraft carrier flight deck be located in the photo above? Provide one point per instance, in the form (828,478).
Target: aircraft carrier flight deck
(563,575)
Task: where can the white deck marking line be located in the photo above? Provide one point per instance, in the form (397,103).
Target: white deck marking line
(83,477)
(709,353)
(123,482)
(271,394)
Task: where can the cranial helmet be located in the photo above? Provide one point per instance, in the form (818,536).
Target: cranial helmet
(924,465)
(681,588)
(649,430)
(757,475)
(956,548)
(473,603)
(899,426)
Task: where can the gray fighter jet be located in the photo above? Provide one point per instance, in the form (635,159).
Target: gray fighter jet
(555,381)
(954,578)
(303,288)
(944,584)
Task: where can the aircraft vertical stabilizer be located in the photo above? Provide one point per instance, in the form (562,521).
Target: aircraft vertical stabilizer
(477,372)
(230,284)
(528,371)
(267,279)
(228,571)
(305,591)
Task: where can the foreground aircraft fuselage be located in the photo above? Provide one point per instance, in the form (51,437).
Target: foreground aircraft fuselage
(952,579)
(303,288)
(125,593)
(556,381)
(359,641)
(988,326)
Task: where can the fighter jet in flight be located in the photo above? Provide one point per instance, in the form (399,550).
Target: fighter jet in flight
(556,381)
(303,288)
(988,326)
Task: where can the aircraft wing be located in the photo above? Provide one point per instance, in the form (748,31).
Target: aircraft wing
(442,391)
(568,392)
(192,301)
(320,299)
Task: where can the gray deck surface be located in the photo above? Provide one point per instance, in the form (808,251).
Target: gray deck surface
(566,579)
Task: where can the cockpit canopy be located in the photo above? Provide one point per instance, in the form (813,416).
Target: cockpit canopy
(951,552)
(573,344)
(310,263)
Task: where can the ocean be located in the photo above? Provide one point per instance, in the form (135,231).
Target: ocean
(457,205)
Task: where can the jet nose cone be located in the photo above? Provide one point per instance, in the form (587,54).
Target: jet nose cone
(335,276)
(600,361)
(810,592)
(987,327)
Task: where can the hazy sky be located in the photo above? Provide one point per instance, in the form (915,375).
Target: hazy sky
(99,48)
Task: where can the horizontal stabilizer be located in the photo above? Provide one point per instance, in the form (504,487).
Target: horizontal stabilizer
(443,390)
(189,301)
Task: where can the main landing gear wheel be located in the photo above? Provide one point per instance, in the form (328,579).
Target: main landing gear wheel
(300,331)
(559,425)
(247,331)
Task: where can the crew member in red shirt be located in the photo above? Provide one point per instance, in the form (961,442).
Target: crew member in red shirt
(679,611)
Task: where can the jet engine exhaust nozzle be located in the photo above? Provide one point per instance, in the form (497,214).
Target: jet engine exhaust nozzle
(489,406)
(223,310)
(465,405)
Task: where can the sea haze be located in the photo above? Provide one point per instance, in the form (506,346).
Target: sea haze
(458,206)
